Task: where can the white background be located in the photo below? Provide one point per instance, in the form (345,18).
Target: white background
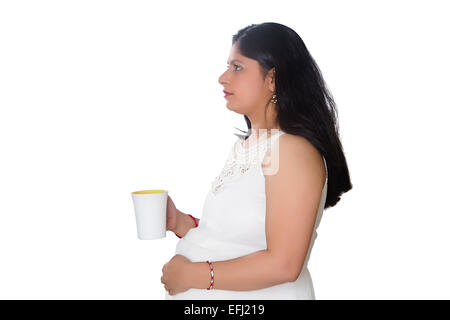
(102,98)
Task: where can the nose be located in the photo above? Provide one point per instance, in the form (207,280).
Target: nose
(223,79)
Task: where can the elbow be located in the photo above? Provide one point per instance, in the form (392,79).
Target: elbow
(290,276)
(289,272)
(294,275)
(293,271)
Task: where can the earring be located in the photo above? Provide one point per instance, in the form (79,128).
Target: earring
(274,99)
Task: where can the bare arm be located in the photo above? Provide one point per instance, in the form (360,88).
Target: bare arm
(293,195)
(184,223)
(254,271)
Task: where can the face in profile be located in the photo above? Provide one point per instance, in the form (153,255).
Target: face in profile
(250,92)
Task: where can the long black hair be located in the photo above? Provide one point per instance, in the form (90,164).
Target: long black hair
(304,107)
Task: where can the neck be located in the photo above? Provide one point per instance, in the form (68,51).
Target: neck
(258,131)
(263,122)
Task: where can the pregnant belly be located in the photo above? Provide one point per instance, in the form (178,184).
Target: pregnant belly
(213,251)
(300,289)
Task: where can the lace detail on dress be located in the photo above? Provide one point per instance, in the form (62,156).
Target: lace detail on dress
(232,170)
(239,161)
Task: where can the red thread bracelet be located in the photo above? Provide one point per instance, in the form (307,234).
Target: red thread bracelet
(195,221)
(211,284)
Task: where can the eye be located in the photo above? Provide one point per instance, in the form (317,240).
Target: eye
(235,65)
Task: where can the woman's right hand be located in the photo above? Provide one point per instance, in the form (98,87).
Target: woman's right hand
(171,215)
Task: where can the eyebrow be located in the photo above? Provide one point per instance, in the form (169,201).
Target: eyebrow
(234,61)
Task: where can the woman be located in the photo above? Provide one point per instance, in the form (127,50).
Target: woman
(260,217)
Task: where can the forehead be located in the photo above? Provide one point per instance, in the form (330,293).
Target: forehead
(235,55)
(234,60)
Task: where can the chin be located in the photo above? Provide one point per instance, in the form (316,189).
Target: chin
(232,108)
(229,107)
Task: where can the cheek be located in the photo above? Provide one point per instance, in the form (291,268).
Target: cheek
(247,94)
(251,94)
(247,89)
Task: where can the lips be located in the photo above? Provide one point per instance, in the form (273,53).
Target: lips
(227,93)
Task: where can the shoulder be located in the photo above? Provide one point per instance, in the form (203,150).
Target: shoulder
(297,158)
(291,146)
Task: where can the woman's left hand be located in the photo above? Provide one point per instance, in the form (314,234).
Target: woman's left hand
(175,275)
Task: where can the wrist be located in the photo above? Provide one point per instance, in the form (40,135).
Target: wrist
(194,221)
(184,223)
(200,275)
(180,228)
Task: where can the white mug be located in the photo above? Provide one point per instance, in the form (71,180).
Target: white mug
(150,208)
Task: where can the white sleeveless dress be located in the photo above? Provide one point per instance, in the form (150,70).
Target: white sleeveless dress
(233,225)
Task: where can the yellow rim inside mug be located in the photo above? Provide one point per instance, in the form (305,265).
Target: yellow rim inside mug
(149,191)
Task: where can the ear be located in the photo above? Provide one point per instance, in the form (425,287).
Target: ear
(271,79)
